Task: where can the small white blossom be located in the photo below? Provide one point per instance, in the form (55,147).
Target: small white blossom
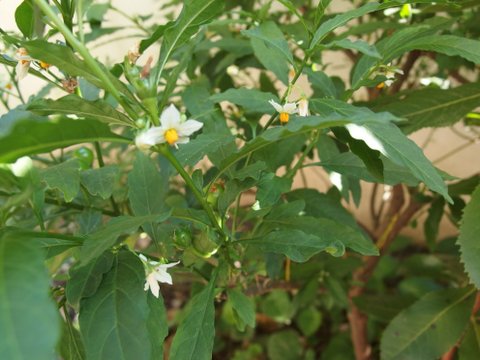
(156,273)
(23,64)
(284,110)
(441,83)
(172,130)
(303,107)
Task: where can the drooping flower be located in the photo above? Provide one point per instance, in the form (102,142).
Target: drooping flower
(172,130)
(156,273)
(389,72)
(23,64)
(303,107)
(284,110)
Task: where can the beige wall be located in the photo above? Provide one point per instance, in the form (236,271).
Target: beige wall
(463,164)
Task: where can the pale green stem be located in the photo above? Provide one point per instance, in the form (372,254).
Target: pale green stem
(83,51)
(165,151)
(80,20)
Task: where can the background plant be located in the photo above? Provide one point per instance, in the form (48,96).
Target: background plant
(89,212)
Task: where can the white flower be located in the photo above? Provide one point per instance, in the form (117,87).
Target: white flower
(156,273)
(303,107)
(23,63)
(172,130)
(441,83)
(284,110)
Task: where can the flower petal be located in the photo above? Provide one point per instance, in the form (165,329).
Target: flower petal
(162,276)
(182,140)
(166,266)
(290,108)
(154,287)
(22,69)
(189,127)
(149,138)
(170,117)
(276,105)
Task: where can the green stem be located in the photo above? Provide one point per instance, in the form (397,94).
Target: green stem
(83,51)
(165,151)
(313,141)
(80,20)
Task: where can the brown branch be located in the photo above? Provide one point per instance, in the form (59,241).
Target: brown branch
(394,221)
(407,67)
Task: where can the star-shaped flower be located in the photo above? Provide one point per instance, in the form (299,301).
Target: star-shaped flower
(156,273)
(23,64)
(284,110)
(172,130)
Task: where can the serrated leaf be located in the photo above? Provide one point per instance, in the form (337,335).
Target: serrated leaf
(85,280)
(270,188)
(25,301)
(328,231)
(204,144)
(101,181)
(121,303)
(294,244)
(243,306)
(253,171)
(31,137)
(64,177)
(468,239)
(106,237)
(428,328)
(431,107)
(195,335)
(254,101)
(147,189)
(75,105)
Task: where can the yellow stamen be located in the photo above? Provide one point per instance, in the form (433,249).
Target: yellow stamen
(284,117)
(380,86)
(44,65)
(9,86)
(171,136)
(24,62)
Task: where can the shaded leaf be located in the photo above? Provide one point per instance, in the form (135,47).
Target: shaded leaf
(254,101)
(468,239)
(101,181)
(64,177)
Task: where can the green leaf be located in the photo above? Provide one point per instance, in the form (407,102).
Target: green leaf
(243,306)
(147,189)
(254,101)
(359,45)
(100,241)
(383,307)
(309,320)
(431,107)
(327,231)
(270,188)
(157,34)
(157,324)
(470,346)
(195,335)
(64,59)
(428,328)
(380,134)
(194,13)
(204,144)
(32,137)
(25,18)
(468,239)
(321,83)
(121,304)
(273,38)
(350,164)
(284,345)
(294,244)
(64,177)
(75,105)
(339,20)
(71,344)
(26,301)
(253,171)
(101,181)
(432,223)
(85,280)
